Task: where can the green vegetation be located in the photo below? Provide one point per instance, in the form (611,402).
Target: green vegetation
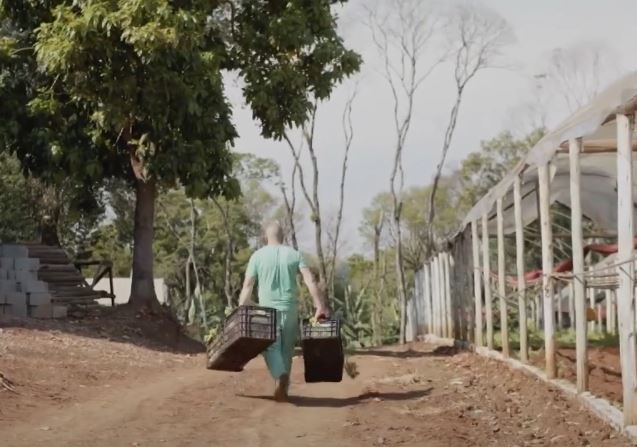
(117,139)
(133,90)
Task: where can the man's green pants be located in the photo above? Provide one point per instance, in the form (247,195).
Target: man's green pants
(279,354)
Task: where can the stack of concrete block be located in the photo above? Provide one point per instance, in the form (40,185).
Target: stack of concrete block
(22,294)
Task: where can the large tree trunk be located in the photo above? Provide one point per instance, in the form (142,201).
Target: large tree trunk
(142,286)
(402,286)
(378,286)
(227,276)
(227,281)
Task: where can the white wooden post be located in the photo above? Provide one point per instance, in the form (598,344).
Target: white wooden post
(441,297)
(591,303)
(547,269)
(626,271)
(560,324)
(486,267)
(427,294)
(442,292)
(571,305)
(612,317)
(445,295)
(448,309)
(439,327)
(609,304)
(598,313)
(578,283)
(504,325)
(519,260)
(538,312)
(435,295)
(477,283)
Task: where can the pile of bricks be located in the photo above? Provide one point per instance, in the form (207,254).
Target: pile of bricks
(22,293)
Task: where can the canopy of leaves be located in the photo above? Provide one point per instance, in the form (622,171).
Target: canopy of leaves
(483,169)
(134,88)
(73,210)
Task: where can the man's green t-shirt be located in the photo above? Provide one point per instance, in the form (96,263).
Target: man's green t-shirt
(275,268)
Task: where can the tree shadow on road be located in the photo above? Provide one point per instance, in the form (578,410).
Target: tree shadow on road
(335,402)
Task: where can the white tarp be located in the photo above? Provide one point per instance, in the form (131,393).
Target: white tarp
(598,192)
(596,126)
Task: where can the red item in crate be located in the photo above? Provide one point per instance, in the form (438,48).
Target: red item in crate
(247,332)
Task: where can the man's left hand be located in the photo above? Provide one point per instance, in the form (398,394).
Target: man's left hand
(322,313)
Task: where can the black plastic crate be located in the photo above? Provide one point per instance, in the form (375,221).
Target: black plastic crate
(323,354)
(247,332)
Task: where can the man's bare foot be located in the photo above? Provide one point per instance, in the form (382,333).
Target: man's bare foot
(281,391)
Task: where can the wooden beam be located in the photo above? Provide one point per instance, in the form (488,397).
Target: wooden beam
(519,262)
(504,325)
(419,304)
(448,310)
(568,236)
(547,269)
(591,302)
(602,147)
(486,270)
(613,312)
(587,236)
(559,310)
(537,303)
(626,269)
(427,294)
(435,295)
(609,304)
(477,283)
(439,297)
(571,305)
(443,294)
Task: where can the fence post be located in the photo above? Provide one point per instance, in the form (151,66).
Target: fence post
(625,240)
(519,261)
(449,309)
(504,324)
(427,294)
(547,269)
(477,287)
(486,267)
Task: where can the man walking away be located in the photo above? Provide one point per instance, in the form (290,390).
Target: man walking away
(274,267)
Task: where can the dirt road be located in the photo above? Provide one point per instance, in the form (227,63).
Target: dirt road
(421,396)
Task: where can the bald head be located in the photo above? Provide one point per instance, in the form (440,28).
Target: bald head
(274,233)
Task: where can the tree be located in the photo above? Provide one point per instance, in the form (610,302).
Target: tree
(478,37)
(576,73)
(289,206)
(33,210)
(348,134)
(372,229)
(250,170)
(18,220)
(312,198)
(134,90)
(402,34)
(483,169)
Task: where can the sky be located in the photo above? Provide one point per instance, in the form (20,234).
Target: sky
(495,100)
